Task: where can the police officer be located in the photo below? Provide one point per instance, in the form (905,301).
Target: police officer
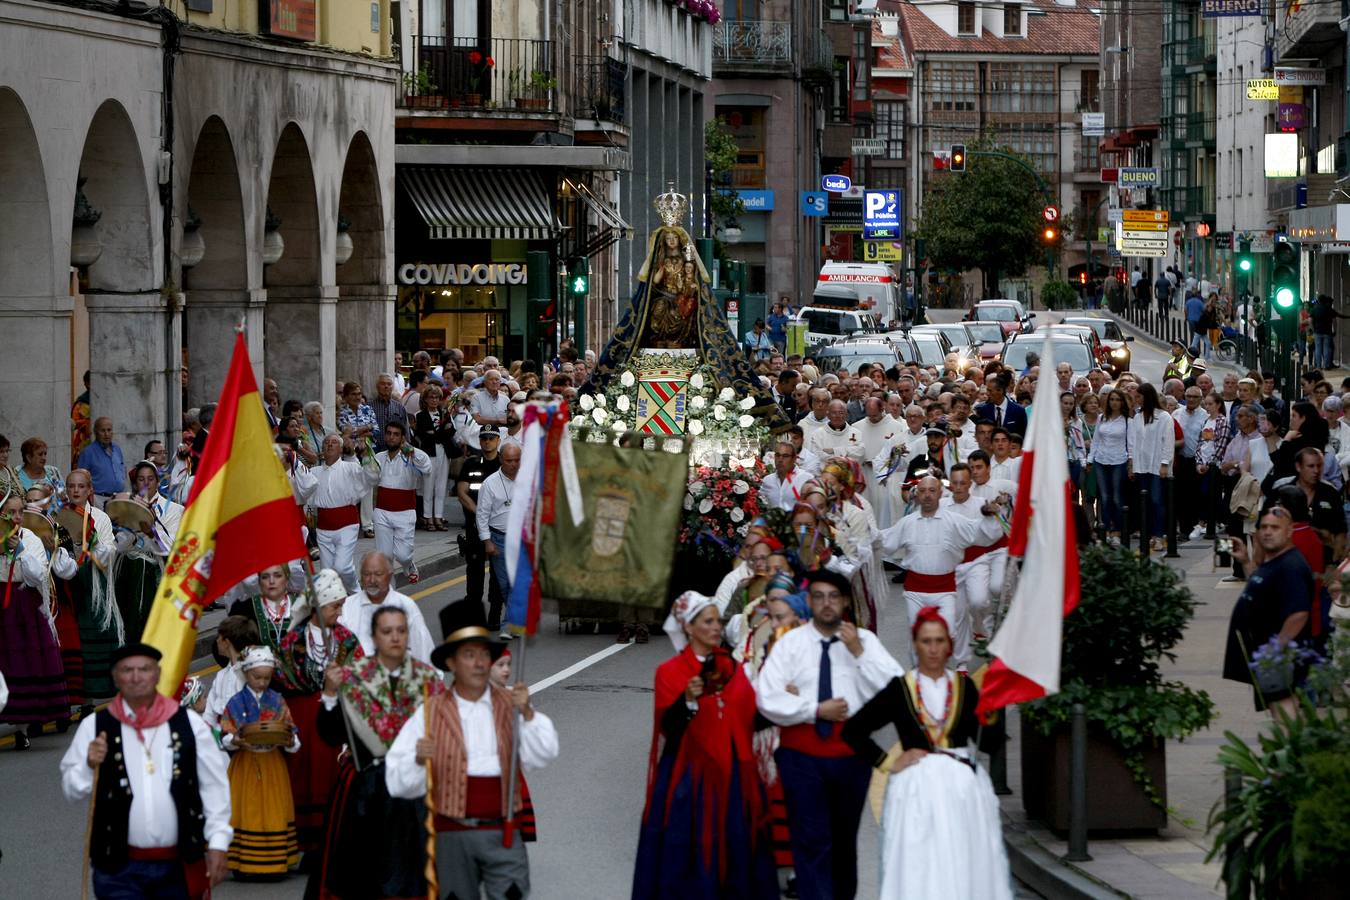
(477,467)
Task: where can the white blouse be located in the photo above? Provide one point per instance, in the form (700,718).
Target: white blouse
(1152,444)
(1111,442)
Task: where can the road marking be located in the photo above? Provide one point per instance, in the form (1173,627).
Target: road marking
(427,592)
(577,667)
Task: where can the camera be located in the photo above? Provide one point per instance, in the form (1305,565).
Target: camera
(1223,552)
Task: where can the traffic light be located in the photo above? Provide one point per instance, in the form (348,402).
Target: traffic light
(1243,267)
(1050,234)
(579,277)
(958,163)
(1082,277)
(1284,276)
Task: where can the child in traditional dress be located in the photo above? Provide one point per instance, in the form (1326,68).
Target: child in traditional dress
(261,804)
(235,635)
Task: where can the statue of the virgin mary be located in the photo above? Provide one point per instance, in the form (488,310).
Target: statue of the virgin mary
(673,309)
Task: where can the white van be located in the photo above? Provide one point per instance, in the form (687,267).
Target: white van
(825,325)
(870,287)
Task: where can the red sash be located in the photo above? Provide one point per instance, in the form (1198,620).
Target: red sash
(919,583)
(974,553)
(803,739)
(482,800)
(194,873)
(396,500)
(331,518)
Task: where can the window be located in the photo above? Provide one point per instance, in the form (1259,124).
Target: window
(1237,173)
(1012,20)
(890,126)
(1021,87)
(951,86)
(1089,154)
(861,46)
(965,18)
(1033,140)
(839,91)
(1089,90)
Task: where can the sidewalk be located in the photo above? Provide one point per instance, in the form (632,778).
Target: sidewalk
(1177,325)
(1170,865)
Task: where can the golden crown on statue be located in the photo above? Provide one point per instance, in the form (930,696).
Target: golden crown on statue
(672,207)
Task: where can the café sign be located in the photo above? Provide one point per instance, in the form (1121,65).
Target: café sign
(461,273)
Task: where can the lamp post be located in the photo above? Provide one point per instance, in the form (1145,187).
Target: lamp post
(273,244)
(193,248)
(85,246)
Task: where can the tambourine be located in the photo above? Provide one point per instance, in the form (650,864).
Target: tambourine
(41,526)
(130,514)
(73,522)
(266,734)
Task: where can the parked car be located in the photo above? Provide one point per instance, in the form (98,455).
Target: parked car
(1068,347)
(1009,314)
(933,348)
(986,339)
(966,350)
(824,325)
(1089,336)
(1116,343)
(847,354)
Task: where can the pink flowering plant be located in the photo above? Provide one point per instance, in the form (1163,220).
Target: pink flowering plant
(719,507)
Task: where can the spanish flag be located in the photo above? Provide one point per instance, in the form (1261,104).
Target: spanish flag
(241,517)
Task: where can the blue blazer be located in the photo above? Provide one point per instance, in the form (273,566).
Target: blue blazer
(1014,418)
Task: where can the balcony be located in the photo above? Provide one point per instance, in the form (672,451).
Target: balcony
(1307,29)
(1191,203)
(512,77)
(752,46)
(1199,128)
(599,89)
(1195,52)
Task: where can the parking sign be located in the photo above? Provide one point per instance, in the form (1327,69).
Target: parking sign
(881,216)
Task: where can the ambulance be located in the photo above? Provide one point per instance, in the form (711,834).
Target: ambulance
(849,298)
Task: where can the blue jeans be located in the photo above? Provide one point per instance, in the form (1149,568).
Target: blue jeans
(1111,490)
(140,879)
(498,563)
(825,797)
(1157,501)
(1322,350)
(1199,339)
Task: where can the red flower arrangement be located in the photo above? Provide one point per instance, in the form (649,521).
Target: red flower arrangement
(719,507)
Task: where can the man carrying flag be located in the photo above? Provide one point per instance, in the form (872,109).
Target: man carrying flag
(1026,649)
(241,517)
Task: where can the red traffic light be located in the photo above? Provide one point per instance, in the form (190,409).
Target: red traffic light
(1082,277)
(1050,234)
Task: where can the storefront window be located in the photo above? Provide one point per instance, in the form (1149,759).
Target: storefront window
(476,319)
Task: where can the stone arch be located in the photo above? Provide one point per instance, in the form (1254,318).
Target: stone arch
(292,197)
(217,287)
(360,203)
(116,186)
(36,324)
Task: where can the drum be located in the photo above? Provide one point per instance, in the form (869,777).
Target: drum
(130,514)
(266,734)
(73,523)
(41,526)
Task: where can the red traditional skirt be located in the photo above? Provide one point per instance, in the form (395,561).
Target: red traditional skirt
(68,635)
(314,772)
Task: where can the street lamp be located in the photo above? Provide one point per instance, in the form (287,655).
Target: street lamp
(85,246)
(344,247)
(193,247)
(273,244)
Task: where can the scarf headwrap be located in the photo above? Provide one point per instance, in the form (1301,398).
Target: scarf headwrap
(687,607)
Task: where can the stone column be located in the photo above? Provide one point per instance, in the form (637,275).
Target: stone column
(212,317)
(301,351)
(135,343)
(365,333)
(35,381)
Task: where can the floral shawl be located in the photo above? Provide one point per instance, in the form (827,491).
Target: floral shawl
(298,672)
(375,710)
(244,709)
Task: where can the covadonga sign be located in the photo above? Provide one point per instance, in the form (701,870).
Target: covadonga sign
(461,273)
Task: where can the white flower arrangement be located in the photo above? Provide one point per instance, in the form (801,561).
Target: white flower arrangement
(737,514)
(599,416)
(740,487)
(696,381)
(705,506)
(627,379)
(623,404)
(746,421)
(720,413)
(698,403)
(587,402)
(747,403)
(726,395)
(695,427)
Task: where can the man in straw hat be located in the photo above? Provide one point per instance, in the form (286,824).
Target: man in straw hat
(464,737)
(160,816)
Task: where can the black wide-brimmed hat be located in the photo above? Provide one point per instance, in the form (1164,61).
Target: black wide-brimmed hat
(461,622)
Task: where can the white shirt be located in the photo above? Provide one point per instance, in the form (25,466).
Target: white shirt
(489,406)
(1111,442)
(344,483)
(1010,469)
(936,544)
(827,441)
(401,473)
(100,526)
(406,778)
(809,424)
(31,565)
(993,487)
(303,483)
(494,504)
(225,685)
(358,610)
(795,660)
(153,821)
(1151,445)
(877,435)
(1192,423)
(784,492)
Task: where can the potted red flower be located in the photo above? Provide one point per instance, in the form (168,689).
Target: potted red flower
(478,66)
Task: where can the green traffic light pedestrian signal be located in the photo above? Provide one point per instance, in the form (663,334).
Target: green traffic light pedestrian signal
(1284,275)
(1244,264)
(579,278)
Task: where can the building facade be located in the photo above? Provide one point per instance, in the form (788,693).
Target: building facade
(181,172)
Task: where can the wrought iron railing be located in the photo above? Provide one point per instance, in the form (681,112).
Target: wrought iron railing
(473,73)
(599,89)
(752,41)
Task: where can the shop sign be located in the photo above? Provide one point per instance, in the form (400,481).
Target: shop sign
(1291,75)
(1215,9)
(289,18)
(1129,177)
(461,273)
(1262,89)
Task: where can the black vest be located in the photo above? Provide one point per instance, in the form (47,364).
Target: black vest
(112,805)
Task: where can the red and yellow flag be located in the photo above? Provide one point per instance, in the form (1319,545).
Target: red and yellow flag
(241,517)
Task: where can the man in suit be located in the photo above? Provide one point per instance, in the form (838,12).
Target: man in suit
(999,409)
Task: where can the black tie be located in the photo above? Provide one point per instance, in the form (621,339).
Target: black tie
(824,690)
(998,415)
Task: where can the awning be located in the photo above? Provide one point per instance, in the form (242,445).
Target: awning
(612,227)
(482,204)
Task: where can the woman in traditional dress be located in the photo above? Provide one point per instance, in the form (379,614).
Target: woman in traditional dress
(262,812)
(141,554)
(316,642)
(29,655)
(271,607)
(750,631)
(940,822)
(373,843)
(705,830)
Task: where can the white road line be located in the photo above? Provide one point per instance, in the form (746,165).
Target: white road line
(577,667)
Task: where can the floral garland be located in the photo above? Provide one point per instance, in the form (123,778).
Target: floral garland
(706,10)
(719,507)
(709,412)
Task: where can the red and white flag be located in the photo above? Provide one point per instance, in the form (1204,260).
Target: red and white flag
(1026,649)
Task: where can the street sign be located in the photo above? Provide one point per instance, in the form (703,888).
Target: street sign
(1143,228)
(1145,215)
(881,215)
(1128,177)
(1143,244)
(1094,124)
(835,184)
(869,146)
(815,203)
(1050,213)
(1262,89)
(1289,76)
(882,251)
(1149,254)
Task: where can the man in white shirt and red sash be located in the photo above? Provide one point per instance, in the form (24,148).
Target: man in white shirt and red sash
(973,586)
(985,487)
(815,678)
(337,501)
(395,516)
(783,487)
(934,543)
(161,816)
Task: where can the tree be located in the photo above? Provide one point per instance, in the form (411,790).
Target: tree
(721,151)
(986,218)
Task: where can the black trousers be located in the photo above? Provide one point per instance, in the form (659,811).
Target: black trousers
(475,560)
(1185,495)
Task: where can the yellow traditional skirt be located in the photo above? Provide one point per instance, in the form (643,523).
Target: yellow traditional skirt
(262,813)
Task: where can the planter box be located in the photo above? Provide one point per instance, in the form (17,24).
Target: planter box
(1115,802)
(531,103)
(424,102)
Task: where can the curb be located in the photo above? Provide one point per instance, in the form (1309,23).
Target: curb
(1050,876)
(432,568)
